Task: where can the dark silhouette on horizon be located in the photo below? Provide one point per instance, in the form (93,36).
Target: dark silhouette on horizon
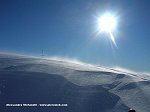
(131,110)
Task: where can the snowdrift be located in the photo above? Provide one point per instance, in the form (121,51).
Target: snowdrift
(83,87)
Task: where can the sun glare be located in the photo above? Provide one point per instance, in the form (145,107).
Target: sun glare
(107,23)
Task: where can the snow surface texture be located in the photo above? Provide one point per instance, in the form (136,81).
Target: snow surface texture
(84,87)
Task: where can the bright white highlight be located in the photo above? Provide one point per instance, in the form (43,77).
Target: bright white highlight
(107,24)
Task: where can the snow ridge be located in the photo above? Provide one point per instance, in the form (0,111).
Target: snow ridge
(85,87)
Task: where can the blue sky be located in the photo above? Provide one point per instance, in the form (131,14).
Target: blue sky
(67,28)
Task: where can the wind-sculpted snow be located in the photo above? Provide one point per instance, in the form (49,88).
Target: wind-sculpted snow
(84,87)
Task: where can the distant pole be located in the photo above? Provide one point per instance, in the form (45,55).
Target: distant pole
(42,53)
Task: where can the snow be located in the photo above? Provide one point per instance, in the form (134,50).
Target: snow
(84,87)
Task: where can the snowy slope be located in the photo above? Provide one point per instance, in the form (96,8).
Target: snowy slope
(84,87)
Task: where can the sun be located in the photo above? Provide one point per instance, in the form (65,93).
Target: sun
(107,23)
